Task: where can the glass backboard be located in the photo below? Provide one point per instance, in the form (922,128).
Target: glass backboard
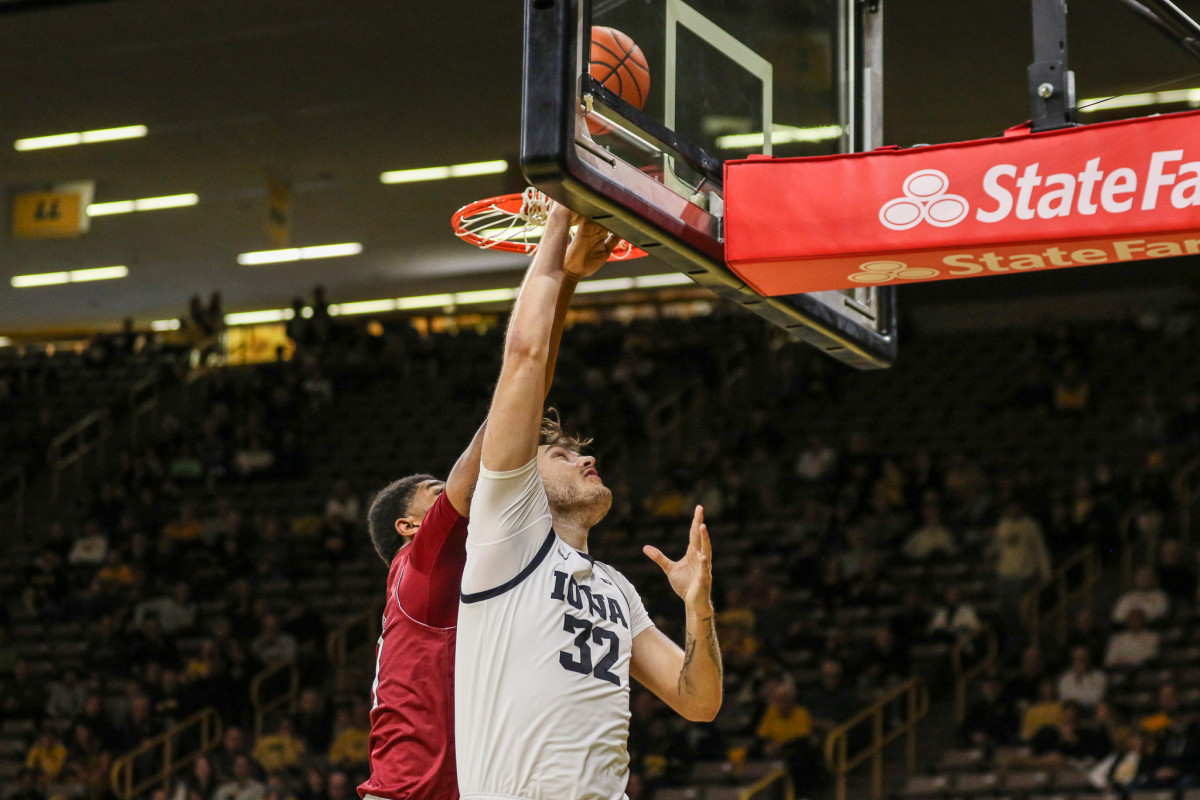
(727,79)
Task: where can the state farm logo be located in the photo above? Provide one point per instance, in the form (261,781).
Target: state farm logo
(883,271)
(925,199)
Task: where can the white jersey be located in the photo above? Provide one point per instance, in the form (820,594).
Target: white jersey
(545,637)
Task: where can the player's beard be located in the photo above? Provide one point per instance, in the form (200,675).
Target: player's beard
(587,501)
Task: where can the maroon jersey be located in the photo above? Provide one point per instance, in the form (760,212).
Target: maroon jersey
(412,717)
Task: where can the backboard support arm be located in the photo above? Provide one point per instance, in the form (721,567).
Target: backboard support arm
(1051,83)
(1169,20)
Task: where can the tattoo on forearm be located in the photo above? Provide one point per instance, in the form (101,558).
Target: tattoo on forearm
(689,653)
(714,649)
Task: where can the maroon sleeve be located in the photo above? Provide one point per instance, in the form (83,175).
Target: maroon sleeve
(429,584)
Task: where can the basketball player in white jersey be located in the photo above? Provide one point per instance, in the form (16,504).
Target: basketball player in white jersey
(548,637)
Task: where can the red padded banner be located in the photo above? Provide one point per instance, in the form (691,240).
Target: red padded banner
(1095,194)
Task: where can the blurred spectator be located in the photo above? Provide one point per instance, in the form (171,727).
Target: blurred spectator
(831,702)
(282,750)
(253,458)
(816,460)
(1069,738)
(664,501)
(990,721)
(1133,646)
(885,661)
(1086,632)
(340,787)
(200,783)
(785,733)
(1145,596)
(313,786)
(1149,422)
(24,696)
(67,696)
(90,548)
(45,583)
(349,751)
(954,619)
(233,748)
(1082,683)
(46,757)
(140,726)
(115,577)
(313,722)
(273,646)
(150,645)
(931,539)
(185,528)
(343,511)
(1166,713)
(1045,711)
(1174,761)
(243,785)
(176,612)
(8,654)
(1126,768)
(1072,392)
(1022,562)
(1175,575)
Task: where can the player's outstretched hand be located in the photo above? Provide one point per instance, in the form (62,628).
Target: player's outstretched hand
(690,576)
(590,248)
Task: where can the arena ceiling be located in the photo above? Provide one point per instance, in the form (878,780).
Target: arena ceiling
(328,94)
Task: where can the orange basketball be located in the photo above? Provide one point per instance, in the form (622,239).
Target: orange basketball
(618,64)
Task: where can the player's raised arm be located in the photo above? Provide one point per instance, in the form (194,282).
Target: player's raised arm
(460,486)
(530,347)
(689,680)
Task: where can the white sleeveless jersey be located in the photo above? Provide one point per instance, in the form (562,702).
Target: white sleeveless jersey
(545,637)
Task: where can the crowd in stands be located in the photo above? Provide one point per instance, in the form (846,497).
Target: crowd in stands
(855,540)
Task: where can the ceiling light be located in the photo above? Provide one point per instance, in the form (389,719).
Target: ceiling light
(255,317)
(300,253)
(74,276)
(666,279)
(424,301)
(1189,96)
(442,173)
(485,296)
(364,307)
(780,134)
(98,274)
(43,279)
(609,285)
(5,341)
(145,204)
(86,137)
(164,325)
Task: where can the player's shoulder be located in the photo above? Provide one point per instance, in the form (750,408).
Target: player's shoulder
(441,515)
(608,571)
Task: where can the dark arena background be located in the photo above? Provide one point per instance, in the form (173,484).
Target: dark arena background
(232,309)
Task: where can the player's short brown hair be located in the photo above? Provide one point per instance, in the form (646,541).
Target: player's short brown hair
(552,433)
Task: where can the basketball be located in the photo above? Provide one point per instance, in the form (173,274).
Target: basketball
(619,65)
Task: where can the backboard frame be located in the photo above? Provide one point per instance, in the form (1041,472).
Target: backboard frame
(857,327)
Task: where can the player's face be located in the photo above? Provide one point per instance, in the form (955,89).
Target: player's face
(423,499)
(572,482)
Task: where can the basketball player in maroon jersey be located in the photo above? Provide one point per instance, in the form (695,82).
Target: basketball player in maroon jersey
(419,528)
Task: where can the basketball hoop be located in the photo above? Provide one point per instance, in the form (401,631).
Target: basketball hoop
(514,223)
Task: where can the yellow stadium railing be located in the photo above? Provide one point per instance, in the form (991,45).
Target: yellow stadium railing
(75,443)
(170,751)
(776,785)
(273,688)
(971,657)
(1073,583)
(353,642)
(897,713)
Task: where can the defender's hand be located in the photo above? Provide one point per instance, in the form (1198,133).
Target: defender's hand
(590,248)
(690,576)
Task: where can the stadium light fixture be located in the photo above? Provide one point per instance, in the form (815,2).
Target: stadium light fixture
(781,134)
(165,325)
(73,276)
(145,204)
(84,137)
(300,254)
(443,173)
